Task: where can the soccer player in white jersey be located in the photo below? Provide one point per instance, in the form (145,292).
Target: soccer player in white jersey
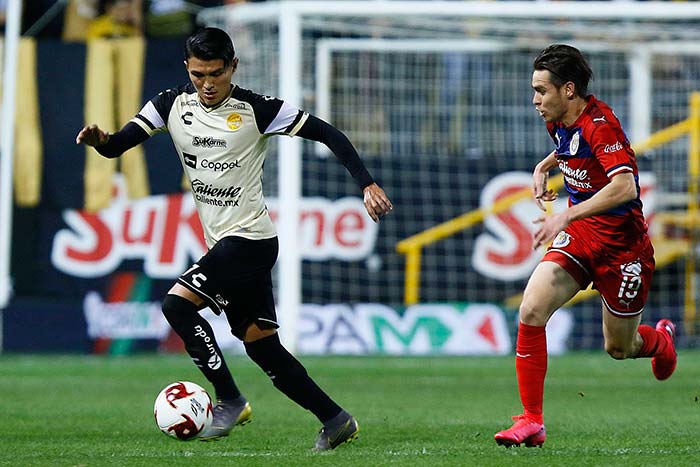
(220,132)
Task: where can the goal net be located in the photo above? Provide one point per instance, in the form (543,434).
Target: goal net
(436,97)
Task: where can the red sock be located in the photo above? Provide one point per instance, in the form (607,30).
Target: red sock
(531,368)
(653,343)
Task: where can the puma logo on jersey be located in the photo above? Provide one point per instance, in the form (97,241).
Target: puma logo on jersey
(599,119)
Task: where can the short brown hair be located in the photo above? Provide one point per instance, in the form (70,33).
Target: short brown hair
(565,63)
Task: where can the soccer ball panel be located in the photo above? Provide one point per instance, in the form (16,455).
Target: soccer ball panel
(183,410)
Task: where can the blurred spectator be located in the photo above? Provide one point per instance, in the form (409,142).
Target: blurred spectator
(78,16)
(169,18)
(119,18)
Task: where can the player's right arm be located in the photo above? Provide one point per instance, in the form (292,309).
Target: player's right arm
(151,119)
(115,144)
(540,176)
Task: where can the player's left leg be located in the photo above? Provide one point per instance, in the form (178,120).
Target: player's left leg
(289,376)
(621,335)
(626,338)
(664,358)
(623,285)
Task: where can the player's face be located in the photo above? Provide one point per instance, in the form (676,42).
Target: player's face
(551,102)
(211,79)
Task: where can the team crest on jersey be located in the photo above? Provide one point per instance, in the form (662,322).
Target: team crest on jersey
(573,146)
(561,240)
(234,121)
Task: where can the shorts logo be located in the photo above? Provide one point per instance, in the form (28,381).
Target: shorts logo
(221,300)
(573,146)
(234,121)
(631,282)
(561,240)
(631,269)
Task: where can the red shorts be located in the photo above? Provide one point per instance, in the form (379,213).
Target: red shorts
(620,271)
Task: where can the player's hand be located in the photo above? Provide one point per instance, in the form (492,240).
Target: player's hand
(376,201)
(540,191)
(92,135)
(551,226)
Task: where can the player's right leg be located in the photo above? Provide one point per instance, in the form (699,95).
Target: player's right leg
(549,287)
(181,308)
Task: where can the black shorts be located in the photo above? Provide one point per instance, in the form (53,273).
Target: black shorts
(235,277)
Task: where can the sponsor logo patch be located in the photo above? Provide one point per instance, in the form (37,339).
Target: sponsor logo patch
(612,147)
(190,160)
(208,142)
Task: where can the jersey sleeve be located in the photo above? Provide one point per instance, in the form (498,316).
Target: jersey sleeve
(274,116)
(153,117)
(612,150)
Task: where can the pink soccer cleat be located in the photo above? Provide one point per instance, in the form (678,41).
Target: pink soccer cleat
(524,430)
(663,365)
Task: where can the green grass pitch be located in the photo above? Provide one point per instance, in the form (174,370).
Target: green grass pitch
(97,411)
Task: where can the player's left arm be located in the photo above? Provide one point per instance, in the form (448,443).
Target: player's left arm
(376,201)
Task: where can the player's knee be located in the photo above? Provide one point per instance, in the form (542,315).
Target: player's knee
(254,333)
(177,309)
(531,314)
(617,351)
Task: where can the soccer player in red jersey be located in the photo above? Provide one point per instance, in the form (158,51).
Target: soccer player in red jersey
(601,238)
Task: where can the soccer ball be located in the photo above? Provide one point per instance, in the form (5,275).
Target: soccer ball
(183,410)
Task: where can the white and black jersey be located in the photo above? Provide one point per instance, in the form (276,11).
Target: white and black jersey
(222,150)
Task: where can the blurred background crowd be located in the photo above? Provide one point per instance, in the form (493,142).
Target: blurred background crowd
(80,20)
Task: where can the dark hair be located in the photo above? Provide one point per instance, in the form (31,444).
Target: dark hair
(210,44)
(565,63)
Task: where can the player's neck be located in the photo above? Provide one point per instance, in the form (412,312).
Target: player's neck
(576,108)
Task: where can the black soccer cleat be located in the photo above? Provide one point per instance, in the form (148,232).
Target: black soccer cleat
(332,437)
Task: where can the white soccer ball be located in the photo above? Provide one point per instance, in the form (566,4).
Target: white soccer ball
(183,410)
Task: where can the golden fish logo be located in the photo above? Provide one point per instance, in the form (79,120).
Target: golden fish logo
(234,121)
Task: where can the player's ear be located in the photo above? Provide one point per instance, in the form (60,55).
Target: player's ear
(186,65)
(234,65)
(570,90)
